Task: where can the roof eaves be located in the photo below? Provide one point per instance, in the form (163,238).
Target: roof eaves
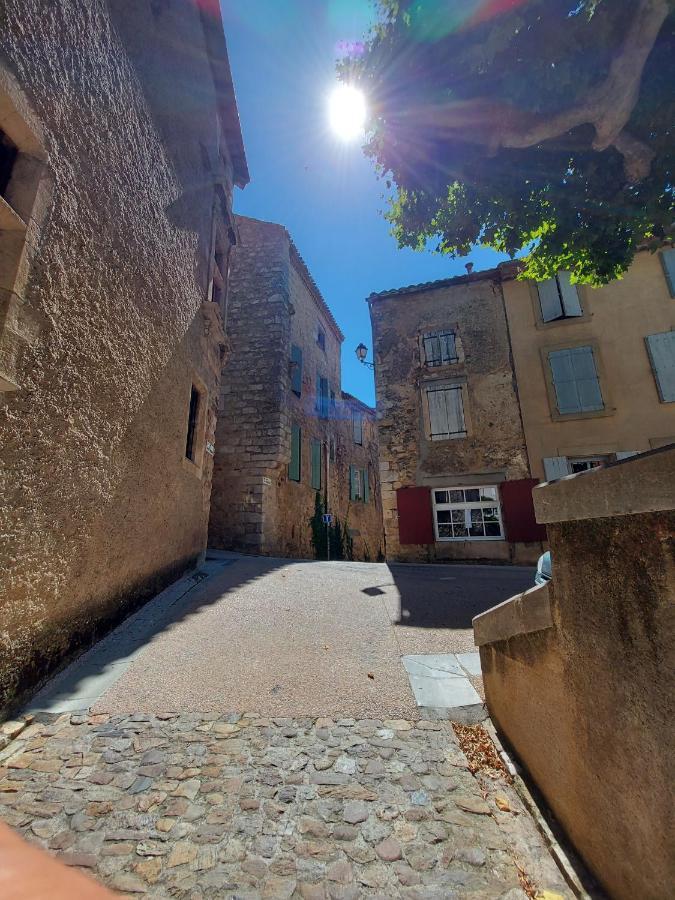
(486,275)
(313,287)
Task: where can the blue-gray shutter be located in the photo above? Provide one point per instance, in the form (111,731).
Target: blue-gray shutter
(296,449)
(353,487)
(438,413)
(432,349)
(661,349)
(296,369)
(570,296)
(668,263)
(366,486)
(549,300)
(448,347)
(357,421)
(316,465)
(626,454)
(556,467)
(575,380)
(455,405)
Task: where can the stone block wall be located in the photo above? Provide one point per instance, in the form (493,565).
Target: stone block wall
(100,507)
(578,674)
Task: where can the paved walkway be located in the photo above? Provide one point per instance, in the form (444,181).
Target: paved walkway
(209,806)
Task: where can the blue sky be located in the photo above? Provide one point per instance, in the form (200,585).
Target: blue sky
(325,192)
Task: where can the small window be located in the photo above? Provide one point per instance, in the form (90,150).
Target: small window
(661,349)
(322,397)
(220,266)
(586,463)
(316,461)
(357,427)
(440,348)
(296,370)
(668,263)
(559,298)
(359,486)
(446,412)
(193,418)
(321,338)
(575,381)
(467,514)
(8,154)
(296,448)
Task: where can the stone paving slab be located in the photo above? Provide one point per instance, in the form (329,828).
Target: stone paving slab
(211,805)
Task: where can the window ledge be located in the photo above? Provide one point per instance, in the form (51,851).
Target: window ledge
(10,220)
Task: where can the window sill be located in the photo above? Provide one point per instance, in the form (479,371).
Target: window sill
(10,220)
(467,540)
(449,437)
(189,465)
(595,414)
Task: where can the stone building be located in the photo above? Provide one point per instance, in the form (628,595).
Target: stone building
(487,380)
(455,475)
(595,367)
(119,148)
(289,440)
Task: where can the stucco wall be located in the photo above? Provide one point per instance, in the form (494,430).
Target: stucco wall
(617,317)
(584,693)
(494,448)
(100,507)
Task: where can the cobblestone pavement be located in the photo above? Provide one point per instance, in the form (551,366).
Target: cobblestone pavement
(233,806)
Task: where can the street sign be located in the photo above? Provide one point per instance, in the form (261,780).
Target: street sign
(327,519)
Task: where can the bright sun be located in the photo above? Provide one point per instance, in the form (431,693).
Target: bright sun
(347,111)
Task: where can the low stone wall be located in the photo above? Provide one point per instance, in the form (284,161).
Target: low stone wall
(577,673)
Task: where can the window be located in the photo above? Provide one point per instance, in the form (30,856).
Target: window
(446,412)
(193,417)
(661,349)
(322,397)
(316,461)
(575,381)
(467,514)
(332,449)
(357,427)
(296,448)
(321,338)
(559,298)
(359,484)
(585,463)
(220,263)
(296,370)
(668,263)
(8,154)
(440,348)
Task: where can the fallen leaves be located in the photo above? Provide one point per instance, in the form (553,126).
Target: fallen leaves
(503,804)
(480,752)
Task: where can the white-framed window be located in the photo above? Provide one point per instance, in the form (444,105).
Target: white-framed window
(585,463)
(467,514)
(440,348)
(446,412)
(559,298)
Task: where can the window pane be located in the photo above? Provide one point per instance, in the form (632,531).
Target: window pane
(476,515)
(488,493)
(476,530)
(444,515)
(457,515)
(492,529)
(441,496)
(472,495)
(460,531)
(456,496)
(490,515)
(445,531)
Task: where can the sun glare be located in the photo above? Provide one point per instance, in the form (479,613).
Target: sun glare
(347,112)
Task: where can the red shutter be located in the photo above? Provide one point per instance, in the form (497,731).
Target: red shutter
(518,511)
(415,522)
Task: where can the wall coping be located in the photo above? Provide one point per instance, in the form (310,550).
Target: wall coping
(522,614)
(640,484)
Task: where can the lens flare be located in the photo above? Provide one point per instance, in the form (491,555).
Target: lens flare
(347,112)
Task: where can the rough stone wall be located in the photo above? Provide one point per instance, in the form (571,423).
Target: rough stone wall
(255,506)
(494,447)
(100,507)
(587,702)
(250,434)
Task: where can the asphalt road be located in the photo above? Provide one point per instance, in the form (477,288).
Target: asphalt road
(285,638)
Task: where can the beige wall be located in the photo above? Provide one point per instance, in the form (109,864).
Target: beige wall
(493,449)
(616,320)
(578,675)
(99,506)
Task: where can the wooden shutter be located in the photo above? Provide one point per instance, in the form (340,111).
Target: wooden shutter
(575,380)
(518,511)
(661,349)
(570,296)
(354,483)
(556,467)
(296,447)
(316,465)
(357,424)
(626,454)
(455,404)
(296,369)
(549,300)
(438,413)
(415,517)
(668,263)
(432,349)
(366,485)
(448,347)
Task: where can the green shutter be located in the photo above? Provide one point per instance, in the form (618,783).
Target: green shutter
(366,486)
(668,263)
(316,465)
(353,475)
(296,369)
(296,450)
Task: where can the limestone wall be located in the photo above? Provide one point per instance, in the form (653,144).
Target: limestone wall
(100,507)
(578,675)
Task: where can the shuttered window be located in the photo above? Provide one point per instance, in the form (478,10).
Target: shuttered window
(556,467)
(439,348)
(446,412)
(322,397)
(316,465)
(661,349)
(296,447)
(668,263)
(359,487)
(575,381)
(296,370)
(559,298)
(357,427)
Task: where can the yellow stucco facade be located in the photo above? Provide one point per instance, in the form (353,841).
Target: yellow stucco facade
(614,321)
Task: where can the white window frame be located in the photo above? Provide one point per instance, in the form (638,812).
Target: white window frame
(467,506)
(591,462)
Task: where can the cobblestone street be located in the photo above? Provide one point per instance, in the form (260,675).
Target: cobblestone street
(234,806)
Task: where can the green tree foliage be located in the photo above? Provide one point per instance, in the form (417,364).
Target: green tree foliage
(537,125)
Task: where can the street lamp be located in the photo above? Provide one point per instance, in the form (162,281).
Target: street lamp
(361,353)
